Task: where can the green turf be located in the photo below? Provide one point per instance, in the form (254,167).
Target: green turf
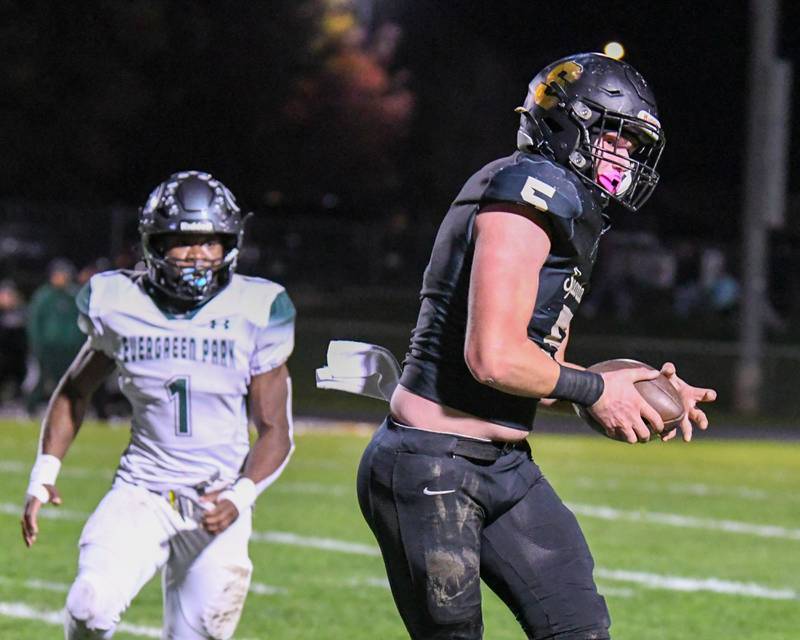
(338,596)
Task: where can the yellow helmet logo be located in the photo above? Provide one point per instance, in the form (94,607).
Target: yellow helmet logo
(566,72)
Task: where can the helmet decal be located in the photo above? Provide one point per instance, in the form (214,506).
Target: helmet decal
(199,225)
(566,72)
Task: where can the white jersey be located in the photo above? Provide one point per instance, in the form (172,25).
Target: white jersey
(186,377)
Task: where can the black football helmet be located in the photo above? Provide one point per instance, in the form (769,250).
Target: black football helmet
(574,102)
(190,202)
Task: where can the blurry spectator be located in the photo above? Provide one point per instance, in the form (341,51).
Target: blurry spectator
(721,288)
(53,334)
(125,259)
(12,340)
(715,290)
(613,295)
(396,244)
(687,290)
(85,274)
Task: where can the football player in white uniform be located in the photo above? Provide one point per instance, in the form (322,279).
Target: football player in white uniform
(198,350)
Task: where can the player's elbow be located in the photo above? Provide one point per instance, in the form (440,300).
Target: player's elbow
(488,364)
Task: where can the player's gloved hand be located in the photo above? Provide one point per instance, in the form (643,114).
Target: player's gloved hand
(622,410)
(30,524)
(221,516)
(690,396)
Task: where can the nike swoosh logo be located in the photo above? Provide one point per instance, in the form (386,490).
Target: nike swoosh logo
(428,492)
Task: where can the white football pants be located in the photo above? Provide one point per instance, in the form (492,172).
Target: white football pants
(132,534)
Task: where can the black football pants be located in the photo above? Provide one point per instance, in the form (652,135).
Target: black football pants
(444,521)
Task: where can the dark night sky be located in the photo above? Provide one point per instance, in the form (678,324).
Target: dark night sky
(692,53)
(469,64)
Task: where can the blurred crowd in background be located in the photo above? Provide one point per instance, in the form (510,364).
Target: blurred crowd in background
(40,337)
(639,277)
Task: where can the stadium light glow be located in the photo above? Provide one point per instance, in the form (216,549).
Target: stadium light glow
(614,50)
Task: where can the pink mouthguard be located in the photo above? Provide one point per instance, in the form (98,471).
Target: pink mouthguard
(610,181)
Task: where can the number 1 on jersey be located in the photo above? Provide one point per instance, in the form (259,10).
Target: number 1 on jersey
(179,387)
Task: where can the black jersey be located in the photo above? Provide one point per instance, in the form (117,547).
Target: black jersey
(434,367)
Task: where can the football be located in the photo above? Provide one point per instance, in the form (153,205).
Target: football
(658,393)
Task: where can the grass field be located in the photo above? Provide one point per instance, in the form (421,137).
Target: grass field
(691,542)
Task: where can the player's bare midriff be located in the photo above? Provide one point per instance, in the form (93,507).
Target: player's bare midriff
(414,410)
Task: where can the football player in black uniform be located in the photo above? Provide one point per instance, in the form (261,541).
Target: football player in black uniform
(447,484)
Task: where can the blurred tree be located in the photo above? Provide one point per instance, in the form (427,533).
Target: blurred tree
(350,112)
(101,99)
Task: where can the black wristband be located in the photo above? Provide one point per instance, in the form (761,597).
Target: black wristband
(578,386)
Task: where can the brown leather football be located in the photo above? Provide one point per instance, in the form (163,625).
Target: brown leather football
(659,394)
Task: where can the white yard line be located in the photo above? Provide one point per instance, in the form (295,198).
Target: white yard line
(650,580)
(713,585)
(275,537)
(586,482)
(259,588)
(588,511)
(21,468)
(688,522)
(16,466)
(47,513)
(36,585)
(616,592)
(380,583)
(56,618)
(23,611)
(26,612)
(308,542)
(693,489)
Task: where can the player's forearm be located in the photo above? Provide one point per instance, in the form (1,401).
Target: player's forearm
(268,456)
(59,428)
(519,368)
(61,423)
(70,400)
(270,410)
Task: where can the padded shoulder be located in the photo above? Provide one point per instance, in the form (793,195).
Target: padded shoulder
(105,291)
(263,302)
(282,310)
(536,181)
(83,299)
(100,297)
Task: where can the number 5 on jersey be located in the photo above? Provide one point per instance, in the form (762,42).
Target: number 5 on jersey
(178,387)
(534,189)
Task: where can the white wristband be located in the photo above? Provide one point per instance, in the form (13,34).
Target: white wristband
(241,493)
(45,471)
